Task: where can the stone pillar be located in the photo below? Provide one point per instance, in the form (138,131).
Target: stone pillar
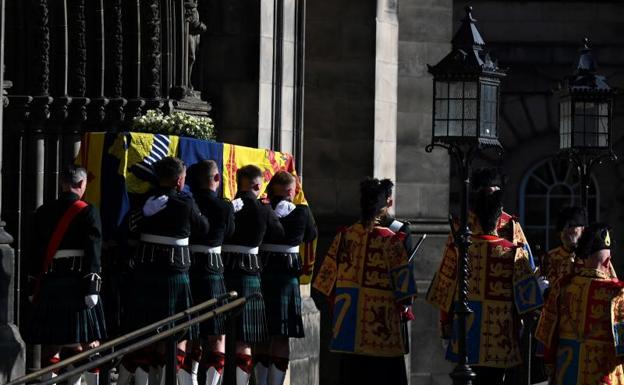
(113,86)
(12,348)
(77,78)
(96,110)
(422,190)
(132,58)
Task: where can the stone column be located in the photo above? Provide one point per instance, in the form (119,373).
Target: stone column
(422,189)
(12,348)
(77,78)
(132,58)
(151,64)
(96,110)
(113,87)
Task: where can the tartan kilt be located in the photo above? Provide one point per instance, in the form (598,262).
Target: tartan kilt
(207,284)
(282,296)
(250,324)
(158,294)
(59,315)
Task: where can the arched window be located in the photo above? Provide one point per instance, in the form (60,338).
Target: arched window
(545,189)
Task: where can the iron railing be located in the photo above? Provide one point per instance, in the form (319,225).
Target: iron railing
(92,354)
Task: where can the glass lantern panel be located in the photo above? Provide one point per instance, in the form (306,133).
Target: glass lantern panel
(603,140)
(440,128)
(441,90)
(454,128)
(456,90)
(489,110)
(455,110)
(470,109)
(441,109)
(603,109)
(603,124)
(470,90)
(470,127)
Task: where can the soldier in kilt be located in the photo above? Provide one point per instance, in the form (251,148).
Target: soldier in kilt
(242,266)
(280,279)
(67,315)
(206,273)
(160,280)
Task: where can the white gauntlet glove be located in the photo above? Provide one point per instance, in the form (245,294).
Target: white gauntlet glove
(543,283)
(237,204)
(284,208)
(153,205)
(91,300)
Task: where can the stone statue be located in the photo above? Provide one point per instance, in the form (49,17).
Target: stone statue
(196,29)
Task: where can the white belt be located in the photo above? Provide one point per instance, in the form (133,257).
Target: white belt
(162,240)
(279,248)
(205,249)
(68,253)
(240,249)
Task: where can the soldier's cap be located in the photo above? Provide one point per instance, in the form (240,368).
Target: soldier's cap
(488,178)
(571,216)
(595,237)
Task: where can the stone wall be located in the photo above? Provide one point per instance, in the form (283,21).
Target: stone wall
(425,31)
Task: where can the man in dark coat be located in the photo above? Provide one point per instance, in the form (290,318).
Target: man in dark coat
(67,315)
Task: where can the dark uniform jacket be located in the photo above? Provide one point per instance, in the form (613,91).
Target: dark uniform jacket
(179,219)
(83,233)
(298,227)
(220,215)
(253,221)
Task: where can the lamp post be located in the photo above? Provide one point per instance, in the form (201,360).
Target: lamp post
(466,99)
(585,119)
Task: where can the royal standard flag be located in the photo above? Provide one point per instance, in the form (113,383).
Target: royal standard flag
(120,173)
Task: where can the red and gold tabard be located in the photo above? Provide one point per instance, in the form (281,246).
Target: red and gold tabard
(366,273)
(582,328)
(502,286)
(561,262)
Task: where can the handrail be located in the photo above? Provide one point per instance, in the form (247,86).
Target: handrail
(138,345)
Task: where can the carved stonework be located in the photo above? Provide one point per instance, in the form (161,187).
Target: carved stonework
(77,48)
(150,36)
(114,49)
(40,38)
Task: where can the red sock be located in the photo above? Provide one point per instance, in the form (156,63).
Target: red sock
(280,363)
(245,362)
(215,360)
(50,360)
(181,360)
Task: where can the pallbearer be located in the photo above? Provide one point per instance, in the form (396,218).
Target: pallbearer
(160,278)
(67,315)
(280,278)
(242,265)
(206,272)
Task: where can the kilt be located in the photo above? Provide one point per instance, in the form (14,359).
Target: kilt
(280,287)
(251,324)
(60,316)
(207,283)
(158,294)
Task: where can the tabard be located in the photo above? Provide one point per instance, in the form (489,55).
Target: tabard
(367,274)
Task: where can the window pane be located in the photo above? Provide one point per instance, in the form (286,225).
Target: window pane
(470,109)
(455,109)
(441,90)
(441,127)
(470,90)
(603,125)
(441,109)
(455,128)
(456,90)
(470,128)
